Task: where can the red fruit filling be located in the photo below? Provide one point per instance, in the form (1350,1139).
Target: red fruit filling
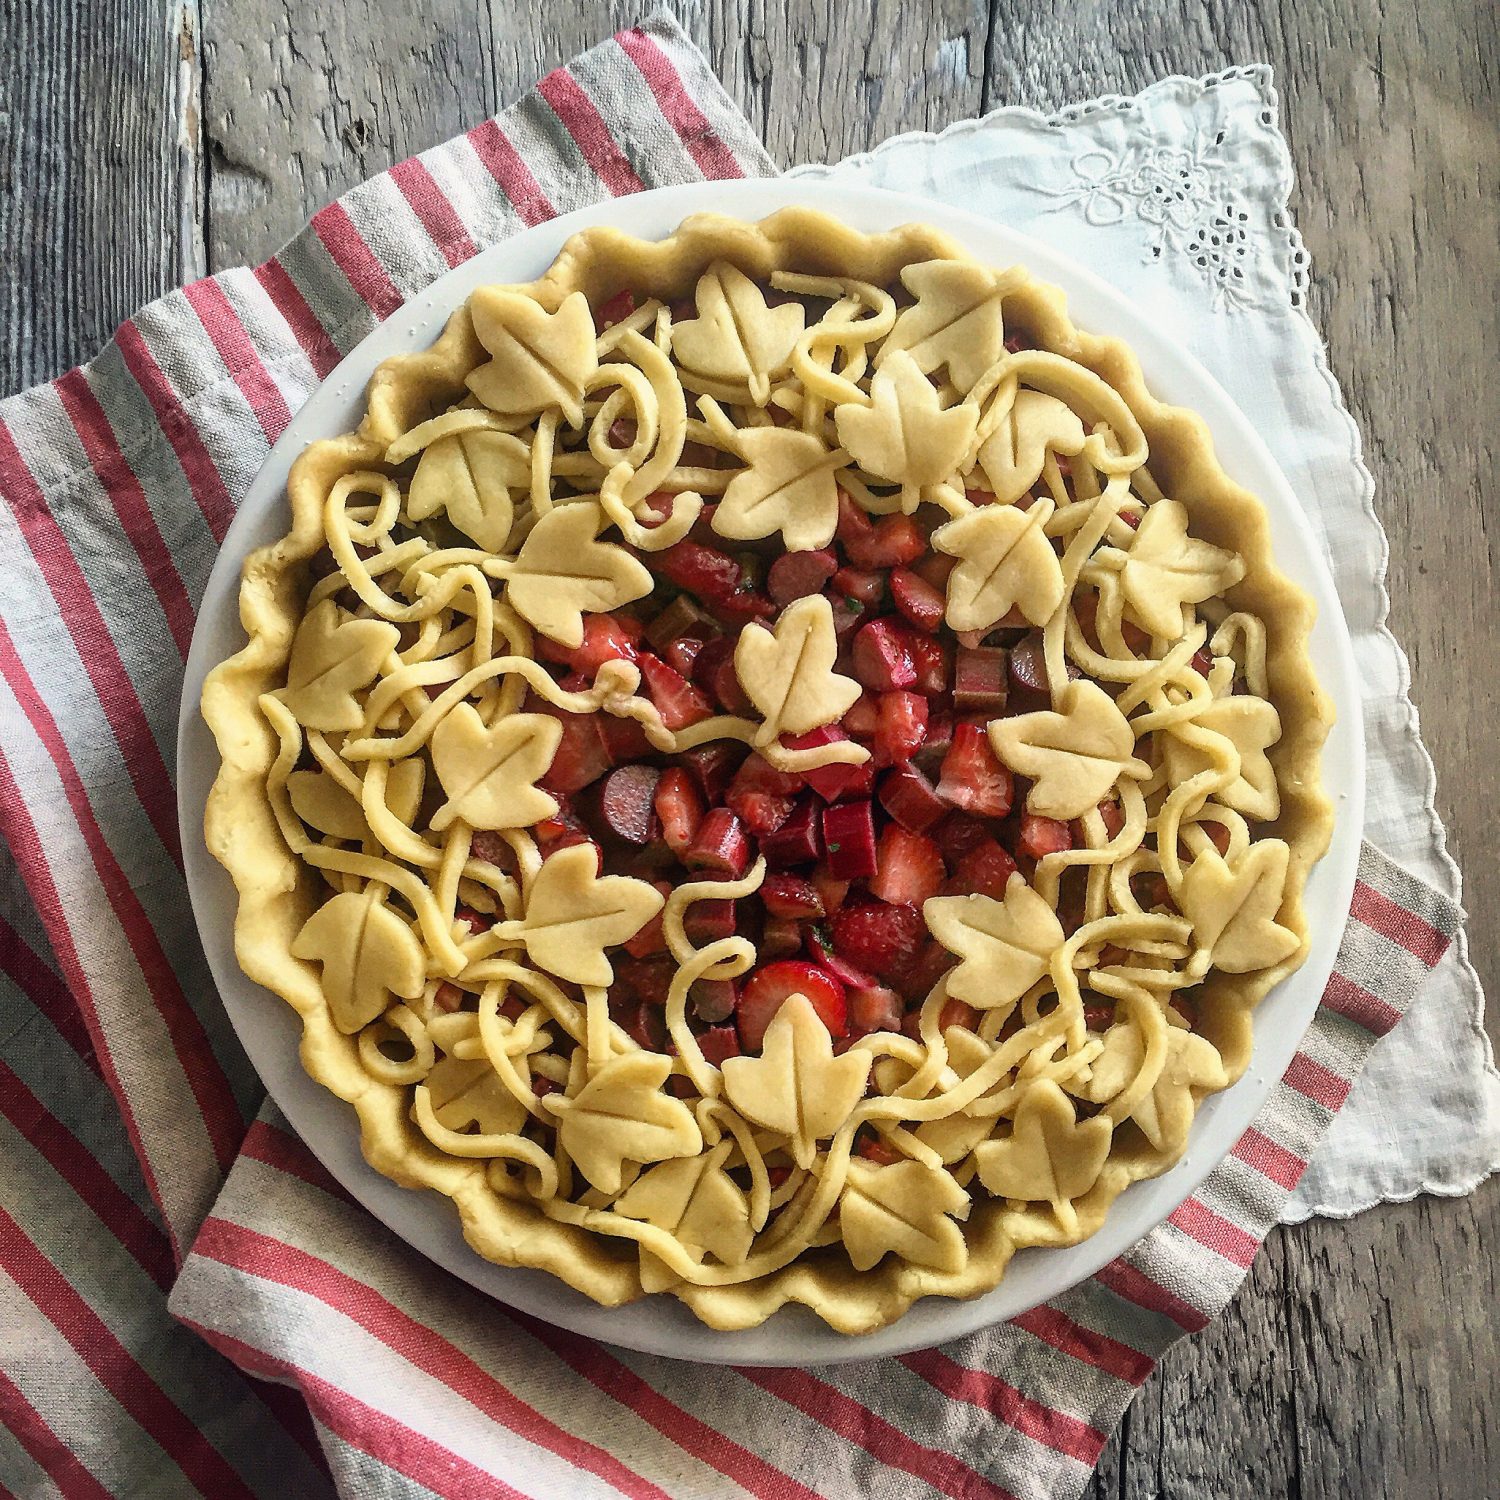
(771,985)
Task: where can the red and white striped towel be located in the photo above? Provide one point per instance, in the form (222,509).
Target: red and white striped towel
(306,1352)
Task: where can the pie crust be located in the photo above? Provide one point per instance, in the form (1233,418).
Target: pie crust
(850,1176)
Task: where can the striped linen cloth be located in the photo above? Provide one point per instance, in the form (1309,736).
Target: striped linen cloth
(305,1352)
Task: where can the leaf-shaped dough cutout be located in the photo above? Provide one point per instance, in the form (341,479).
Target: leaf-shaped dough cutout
(905,1208)
(573,914)
(539,359)
(797,1087)
(620,1115)
(1166,1113)
(1004,560)
(957,319)
(1049,1157)
(736,338)
(323,804)
(470,1094)
(470,476)
(1233,907)
(1251,725)
(953,1136)
(368,954)
(1014,453)
(1166,568)
(696,1200)
(787,671)
(1074,755)
(563,573)
(332,659)
(905,434)
(489,771)
(789,487)
(1005,946)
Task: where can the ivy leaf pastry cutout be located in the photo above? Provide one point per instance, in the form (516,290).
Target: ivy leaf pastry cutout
(797,1087)
(470,476)
(1005,946)
(323,804)
(1233,907)
(1251,725)
(1166,1113)
(1005,561)
(697,1201)
(736,337)
(332,659)
(538,358)
(489,771)
(1013,456)
(563,573)
(905,1208)
(905,434)
(368,954)
(789,487)
(1049,1157)
(787,670)
(957,320)
(573,914)
(1074,755)
(469,1094)
(1166,569)
(620,1115)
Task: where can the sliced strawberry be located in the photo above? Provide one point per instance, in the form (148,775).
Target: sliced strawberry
(933,569)
(604,639)
(982,497)
(682,655)
(712,766)
(854,525)
(761,796)
(475,921)
(863,718)
(972,778)
(939,739)
(1043,836)
(831,888)
(835,780)
(901,729)
(780,937)
(847,616)
(677,701)
(957,834)
(581,757)
(718,1044)
(714,672)
(882,658)
(650,939)
(876,937)
(933,659)
(713,999)
(626,803)
(722,846)
(624,740)
(915,977)
(712,575)
(820,950)
(917,599)
(708,921)
(490,847)
(879,1150)
(799,839)
(979,681)
(791,896)
(911,799)
(1114,820)
(849,836)
(985,870)
(859,587)
(909,868)
(765,991)
(874,1007)
(891,542)
(679,808)
(616,310)
(794,575)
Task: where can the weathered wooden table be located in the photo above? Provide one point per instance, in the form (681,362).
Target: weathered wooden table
(145,142)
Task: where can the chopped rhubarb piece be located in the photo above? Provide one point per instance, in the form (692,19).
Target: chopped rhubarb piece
(581,757)
(874,1007)
(862,718)
(448,998)
(604,639)
(624,739)
(623,432)
(679,809)
(916,976)
(959,834)
(682,655)
(958,1013)
(1202,661)
(893,541)
(791,896)
(492,848)
(722,846)
(917,599)
(794,575)
(853,524)
(761,796)
(475,921)
(616,310)
(708,921)
(780,937)
(798,840)
(939,737)
(858,586)
(766,989)
(626,803)
(933,660)
(1098,1017)
(714,672)
(879,1150)
(933,568)
(982,497)
(901,729)
(882,658)
(985,870)
(1028,665)
(849,836)
(650,939)
(836,779)
(847,616)
(677,701)
(909,868)
(698,456)
(712,767)
(911,799)
(1042,836)
(713,999)
(644,1023)
(680,620)
(718,1044)
(1114,820)
(705,571)
(979,680)
(876,937)
(972,778)
(645,979)
(831,888)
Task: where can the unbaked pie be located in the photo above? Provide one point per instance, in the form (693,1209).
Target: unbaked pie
(771,769)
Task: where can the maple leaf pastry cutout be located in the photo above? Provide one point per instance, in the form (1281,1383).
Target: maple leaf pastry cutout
(332,659)
(736,338)
(368,954)
(537,358)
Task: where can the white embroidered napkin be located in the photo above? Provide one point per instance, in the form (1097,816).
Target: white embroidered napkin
(1179,197)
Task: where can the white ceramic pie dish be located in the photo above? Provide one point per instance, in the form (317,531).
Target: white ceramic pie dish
(269,1029)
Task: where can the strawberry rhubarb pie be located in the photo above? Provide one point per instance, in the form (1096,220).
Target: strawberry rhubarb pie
(771,769)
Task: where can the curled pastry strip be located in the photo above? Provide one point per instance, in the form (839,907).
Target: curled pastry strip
(448,424)
(404,1022)
(507,1147)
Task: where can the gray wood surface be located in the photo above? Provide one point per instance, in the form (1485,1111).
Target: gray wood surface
(143,141)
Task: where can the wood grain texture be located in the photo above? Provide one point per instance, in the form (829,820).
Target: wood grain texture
(1362,1358)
